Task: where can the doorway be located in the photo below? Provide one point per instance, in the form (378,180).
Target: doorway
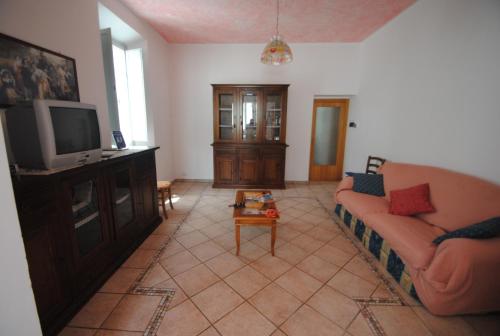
(329,125)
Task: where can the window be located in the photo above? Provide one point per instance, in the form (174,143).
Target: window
(129,84)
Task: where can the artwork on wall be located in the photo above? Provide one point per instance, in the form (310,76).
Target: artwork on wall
(28,71)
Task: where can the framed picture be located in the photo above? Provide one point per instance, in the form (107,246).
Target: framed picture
(119,140)
(28,71)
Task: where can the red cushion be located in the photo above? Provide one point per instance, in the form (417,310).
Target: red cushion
(411,201)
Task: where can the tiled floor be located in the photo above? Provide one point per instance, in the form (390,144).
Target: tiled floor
(311,287)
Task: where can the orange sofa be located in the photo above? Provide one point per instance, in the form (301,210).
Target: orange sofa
(455,277)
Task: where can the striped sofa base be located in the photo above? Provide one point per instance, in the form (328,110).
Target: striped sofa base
(374,243)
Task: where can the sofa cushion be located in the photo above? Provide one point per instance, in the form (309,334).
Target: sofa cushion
(411,201)
(410,237)
(460,200)
(371,184)
(486,229)
(359,205)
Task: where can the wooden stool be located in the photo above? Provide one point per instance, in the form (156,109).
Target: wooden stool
(164,187)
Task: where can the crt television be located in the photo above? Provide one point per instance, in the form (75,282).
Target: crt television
(48,134)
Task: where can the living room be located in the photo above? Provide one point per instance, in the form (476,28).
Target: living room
(421,78)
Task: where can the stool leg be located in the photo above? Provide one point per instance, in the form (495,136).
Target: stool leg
(162,193)
(170,198)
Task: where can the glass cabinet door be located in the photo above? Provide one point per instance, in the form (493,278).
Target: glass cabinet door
(123,201)
(249,116)
(87,216)
(226,114)
(273,116)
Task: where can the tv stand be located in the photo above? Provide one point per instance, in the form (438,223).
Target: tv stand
(79,224)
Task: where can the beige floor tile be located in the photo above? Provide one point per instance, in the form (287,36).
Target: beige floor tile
(154,242)
(133,313)
(264,241)
(196,279)
(322,234)
(210,332)
(140,259)
(298,283)
(359,327)
(298,225)
(394,319)
(287,233)
(343,243)
(227,241)
(93,314)
(103,332)
(214,230)
(183,230)
(179,296)
(247,281)
(244,321)
(307,243)
(444,326)
(251,232)
(206,250)
(351,285)
(225,264)
(334,306)
(361,268)
(382,292)
(217,300)
(121,280)
(275,303)
(307,322)
(183,320)
(173,247)
(200,222)
(156,275)
(179,263)
(333,255)
(69,331)
(292,254)
(249,252)
(166,229)
(318,268)
(278,332)
(271,267)
(192,239)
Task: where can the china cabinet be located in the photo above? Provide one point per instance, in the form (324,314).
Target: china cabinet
(249,135)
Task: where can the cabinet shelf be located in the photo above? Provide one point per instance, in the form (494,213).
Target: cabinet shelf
(227,109)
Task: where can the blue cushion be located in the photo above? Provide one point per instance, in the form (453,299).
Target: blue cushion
(485,229)
(372,184)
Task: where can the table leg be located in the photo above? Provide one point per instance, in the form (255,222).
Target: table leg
(237,232)
(273,237)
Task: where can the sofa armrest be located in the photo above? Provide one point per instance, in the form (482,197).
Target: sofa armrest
(463,277)
(345,184)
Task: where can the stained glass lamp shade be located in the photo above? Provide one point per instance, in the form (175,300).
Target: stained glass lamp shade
(276,52)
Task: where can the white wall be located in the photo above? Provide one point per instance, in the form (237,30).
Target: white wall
(327,69)
(430,89)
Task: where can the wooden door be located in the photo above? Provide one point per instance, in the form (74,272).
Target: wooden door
(248,161)
(329,124)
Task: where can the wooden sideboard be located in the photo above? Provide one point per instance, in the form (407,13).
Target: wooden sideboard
(249,136)
(80,224)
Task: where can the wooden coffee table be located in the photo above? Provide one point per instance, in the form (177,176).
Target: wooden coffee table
(243,219)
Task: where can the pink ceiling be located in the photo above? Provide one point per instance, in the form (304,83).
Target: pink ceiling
(253,21)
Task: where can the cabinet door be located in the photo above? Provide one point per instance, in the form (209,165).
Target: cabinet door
(273,168)
(225,167)
(47,268)
(250,115)
(149,197)
(225,118)
(88,221)
(274,105)
(123,201)
(248,166)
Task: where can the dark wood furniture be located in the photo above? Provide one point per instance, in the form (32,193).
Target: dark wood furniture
(242,219)
(373,163)
(80,224)
(249,136)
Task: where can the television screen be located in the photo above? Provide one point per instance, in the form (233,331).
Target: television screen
(75,129)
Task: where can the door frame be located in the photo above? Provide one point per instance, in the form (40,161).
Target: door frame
(343,103)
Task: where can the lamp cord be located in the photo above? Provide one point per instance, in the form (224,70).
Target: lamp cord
(277,17)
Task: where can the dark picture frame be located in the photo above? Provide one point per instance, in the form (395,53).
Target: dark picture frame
(28,71)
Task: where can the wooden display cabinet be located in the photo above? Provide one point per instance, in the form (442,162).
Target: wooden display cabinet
(249,135)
